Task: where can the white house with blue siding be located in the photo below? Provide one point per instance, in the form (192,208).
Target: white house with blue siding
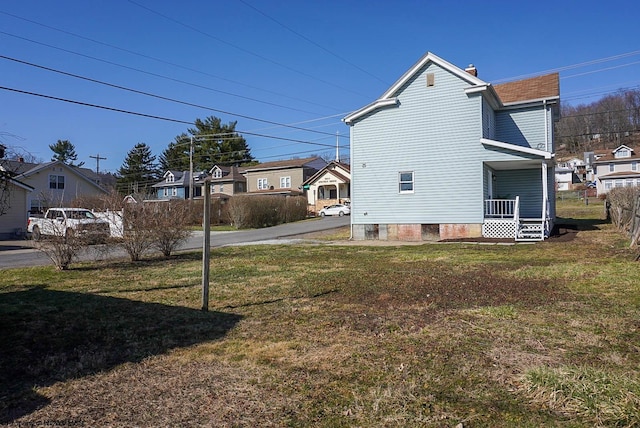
(443,154)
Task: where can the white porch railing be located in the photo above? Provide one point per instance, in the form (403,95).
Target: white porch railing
(500,208)
(503,220)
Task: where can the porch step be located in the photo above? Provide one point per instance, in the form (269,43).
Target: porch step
(530,230)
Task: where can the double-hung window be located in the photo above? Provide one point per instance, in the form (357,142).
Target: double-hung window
(262,184)
(405,181)
(56,182)
(285,182)
(612,167)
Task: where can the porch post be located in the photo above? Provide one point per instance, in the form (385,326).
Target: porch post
(545,191)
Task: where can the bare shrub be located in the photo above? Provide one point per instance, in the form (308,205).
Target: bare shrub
(622,201)
(170,225)
(63,247)
(138,230)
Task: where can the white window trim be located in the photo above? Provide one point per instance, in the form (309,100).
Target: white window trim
(263,184)
(165,192)
(287,182)
(174,191)
(400,182)
(170,178)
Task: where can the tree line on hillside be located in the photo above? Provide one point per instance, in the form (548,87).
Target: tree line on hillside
(607,123)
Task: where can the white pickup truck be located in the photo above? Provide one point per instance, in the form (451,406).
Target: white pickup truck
(67,222)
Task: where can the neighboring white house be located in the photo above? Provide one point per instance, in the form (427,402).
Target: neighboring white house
(55,184)
(617,168)
(13,222)
(331,185)
(443,154)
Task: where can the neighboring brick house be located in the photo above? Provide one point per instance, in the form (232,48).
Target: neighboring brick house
(281,177)
(617,168)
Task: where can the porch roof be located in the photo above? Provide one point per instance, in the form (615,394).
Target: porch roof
(514,147)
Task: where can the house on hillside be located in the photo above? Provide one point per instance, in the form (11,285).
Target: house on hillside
(227,181)
(617,168)
(331,185)
(14,203)
(55,184)
(443,154)
(176,185)
(281,177)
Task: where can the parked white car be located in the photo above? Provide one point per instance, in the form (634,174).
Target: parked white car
(337,209)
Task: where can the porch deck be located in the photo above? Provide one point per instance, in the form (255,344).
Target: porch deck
(502,220)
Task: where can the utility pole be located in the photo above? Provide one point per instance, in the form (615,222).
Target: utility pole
(206,242)
(337,146)
(191,169)
(97,158)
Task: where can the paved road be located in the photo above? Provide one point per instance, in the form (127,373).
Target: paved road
(21,254)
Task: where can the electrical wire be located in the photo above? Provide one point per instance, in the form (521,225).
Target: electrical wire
(159,60)
(160,97)
(246,51)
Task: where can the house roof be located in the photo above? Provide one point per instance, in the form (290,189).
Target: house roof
(609,155)
(291,163)
(327,169)
(535,88)
(229,174)
(31,169)
(621,174)
(179,178)
(20,184)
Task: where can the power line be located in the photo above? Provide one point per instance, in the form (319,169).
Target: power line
(241,49)
(154,116)
(569,67)
(162,76)
(160,96)
(151,58)
(302,36)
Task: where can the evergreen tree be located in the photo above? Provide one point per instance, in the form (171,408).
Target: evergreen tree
(138,171)
(213,143)
(65,151)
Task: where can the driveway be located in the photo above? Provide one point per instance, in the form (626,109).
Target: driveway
(22,254)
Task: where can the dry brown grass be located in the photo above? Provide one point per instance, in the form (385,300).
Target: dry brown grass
(319,335)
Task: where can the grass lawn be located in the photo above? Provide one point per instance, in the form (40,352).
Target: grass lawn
(333,334)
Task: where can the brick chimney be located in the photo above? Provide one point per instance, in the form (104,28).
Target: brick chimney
(472,70)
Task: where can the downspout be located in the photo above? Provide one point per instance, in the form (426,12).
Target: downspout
(545,194)
(546,126)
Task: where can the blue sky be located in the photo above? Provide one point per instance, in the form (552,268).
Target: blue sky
(266,63)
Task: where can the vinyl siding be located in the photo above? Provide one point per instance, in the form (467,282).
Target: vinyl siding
(435,133)
(526,183)
(522,127)
(16,215)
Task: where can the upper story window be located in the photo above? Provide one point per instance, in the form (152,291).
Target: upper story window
(217,173)
(170,178)
(262,184)
(56,181)
(634,166)
(285,182)
(612,167)
(623,153)
(405,179)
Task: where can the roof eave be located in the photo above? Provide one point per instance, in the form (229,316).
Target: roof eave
(516,148)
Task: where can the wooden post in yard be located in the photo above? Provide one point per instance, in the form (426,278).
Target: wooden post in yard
(206,242)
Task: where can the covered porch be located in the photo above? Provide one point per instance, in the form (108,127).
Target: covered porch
(519,199)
